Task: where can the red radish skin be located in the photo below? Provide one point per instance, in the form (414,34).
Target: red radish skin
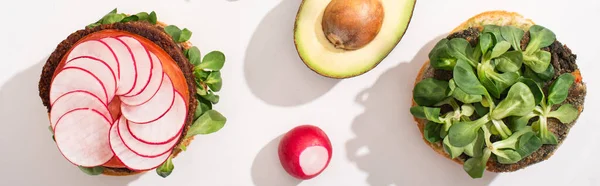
(163,130)
(143,64)
(155,108)
(305,151)
(97,49)
(149,91)
(129,158)
(100,69)
(141,148)
(127,70)
(82,137)
(75,78)
(77,100)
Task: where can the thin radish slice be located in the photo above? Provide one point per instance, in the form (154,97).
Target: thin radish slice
(155,108)
(141,148)
(75,78)
(98,68)
(150,90)
(166,128)
(127,72)
(143,64)
(129,158)
(76,100)
(97,49)
(82,137)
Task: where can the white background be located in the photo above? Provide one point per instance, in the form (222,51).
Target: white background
(267,91)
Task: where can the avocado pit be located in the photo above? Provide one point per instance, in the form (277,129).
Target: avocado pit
(352,24)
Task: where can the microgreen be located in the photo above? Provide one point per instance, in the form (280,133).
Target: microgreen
(166,168)
(92,171)
(496,93)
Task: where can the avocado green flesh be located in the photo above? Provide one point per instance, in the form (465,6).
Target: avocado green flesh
(322,57)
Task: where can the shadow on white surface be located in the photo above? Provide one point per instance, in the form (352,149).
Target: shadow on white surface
(388,145)
(272,68)
(29,155)
(266,169)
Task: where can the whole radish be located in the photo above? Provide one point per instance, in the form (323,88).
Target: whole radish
(305,151)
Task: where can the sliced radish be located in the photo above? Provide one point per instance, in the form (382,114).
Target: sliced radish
(305,151)
(127,72)
(141,148)
(75,78)
(100,69)
(143,64)
(166,128)
(150,90)
(129,158)
(97,49)
(76,100)
(155,108)
(82,137)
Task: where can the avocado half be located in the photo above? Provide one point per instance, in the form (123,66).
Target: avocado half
(347,38)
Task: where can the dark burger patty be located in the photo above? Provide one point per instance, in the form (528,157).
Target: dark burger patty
(152,32)
(564,61)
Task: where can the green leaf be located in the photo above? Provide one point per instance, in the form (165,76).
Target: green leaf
(467,110)
(475,149)
(476,166)
(143,16)
(464,132)
(213,61)
(130,18)
(518,102)
(193,55)
(538,61)
(519,122)
(93,25)
(536,90)
(508,156)
(152,17)
(430,91)
(528,143)
(499,49)
(93,171)
(533,76)
(201,108)
(565,113)
(174,32)
(495,31)
(211,121)
(510,61)
(544,134)
(559,90)
(429,113)
(166,168)
(485,42)
(461,50)
(465,78)
(431,132)
(452,150)
(480,109)
(486,81)
(462,96)
(547,74)
(185,35)
(502,81)
(540,37)
(440,57)
(513,35)
(512,141)
(112,18)
(210,96)
(214,81)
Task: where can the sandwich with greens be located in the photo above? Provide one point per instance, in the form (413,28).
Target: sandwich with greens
(126,94)
(499,93)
